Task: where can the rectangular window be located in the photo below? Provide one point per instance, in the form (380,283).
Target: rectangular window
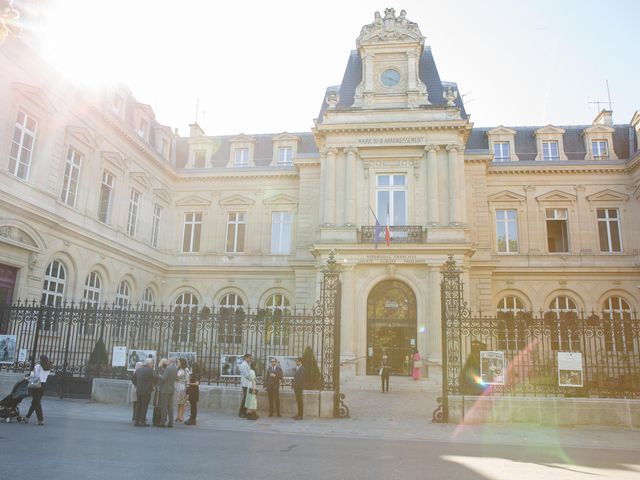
(134,206)
(155,228)
(71,177)
(391,199)
(24,137)
(241,157)
(280,233)
(142,129)
(199,158)
(285,156)
(106,192)
(609,230)
(550,151)
(507,231)
(236,223)
(599,150)
(191,232)
(501,152)
(163,147)
(557,230)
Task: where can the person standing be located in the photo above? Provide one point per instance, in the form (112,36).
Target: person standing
(298,387)
(181,380)
(193,393)
(167,391)
(416,364)
(245,382)
(385,372)
(41,370)
(144,379)
(251,403)
(272,384)
(134,396)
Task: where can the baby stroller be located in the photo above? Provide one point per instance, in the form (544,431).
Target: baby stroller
(9,404)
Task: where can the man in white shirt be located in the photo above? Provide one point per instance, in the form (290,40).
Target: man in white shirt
(245,382)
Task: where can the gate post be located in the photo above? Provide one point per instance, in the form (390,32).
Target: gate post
(453,308)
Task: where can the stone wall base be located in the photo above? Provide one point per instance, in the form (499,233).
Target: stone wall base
(545,411)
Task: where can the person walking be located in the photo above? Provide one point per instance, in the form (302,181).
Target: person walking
(385,372)
(245,381)
(180,383)
(272,384)
(167,390)
(134,396)
(41,370)
(144,379)
(298,387)
(193,393)
(416,360)
(251,403)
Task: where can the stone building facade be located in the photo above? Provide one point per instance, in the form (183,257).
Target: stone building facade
(101,203)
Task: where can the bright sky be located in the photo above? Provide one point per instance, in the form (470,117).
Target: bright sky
(263,67)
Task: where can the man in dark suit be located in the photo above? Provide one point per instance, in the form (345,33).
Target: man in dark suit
(144,379)
(298,387)
(167,390)
(272,384)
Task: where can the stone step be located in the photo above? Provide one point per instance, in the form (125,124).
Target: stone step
(405,384)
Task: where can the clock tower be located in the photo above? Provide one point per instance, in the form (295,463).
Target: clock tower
(390,49)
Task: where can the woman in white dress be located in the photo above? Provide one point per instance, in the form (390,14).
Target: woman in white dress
(181,388)
(251,403)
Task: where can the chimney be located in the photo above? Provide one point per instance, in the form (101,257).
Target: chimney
(635,123)
(195,130)
(605,117)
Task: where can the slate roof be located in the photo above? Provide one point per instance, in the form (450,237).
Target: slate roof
(428,75)
(525,141)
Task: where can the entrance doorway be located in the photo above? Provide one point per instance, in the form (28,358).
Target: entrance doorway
(391,327)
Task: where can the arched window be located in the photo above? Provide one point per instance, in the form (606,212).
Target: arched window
(512,329)
(148,304)
(561,324)
(91,297)
(92,287)
(55,279)
(148,299)
(231,319)
(277,311)
(618,330)
(120,319)
(186,318)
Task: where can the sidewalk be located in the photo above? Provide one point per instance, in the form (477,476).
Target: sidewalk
(416,427)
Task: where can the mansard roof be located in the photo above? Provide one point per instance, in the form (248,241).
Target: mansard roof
(428,74)
(526,148)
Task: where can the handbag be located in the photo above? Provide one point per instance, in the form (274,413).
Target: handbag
(34,382)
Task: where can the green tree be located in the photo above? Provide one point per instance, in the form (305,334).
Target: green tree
(313,377)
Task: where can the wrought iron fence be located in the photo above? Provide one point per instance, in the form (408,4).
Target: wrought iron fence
(398,234)
(79,338)
(606,347)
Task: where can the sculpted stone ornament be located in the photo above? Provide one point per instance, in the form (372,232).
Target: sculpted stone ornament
(332,98)
(17,235)
(450,94)
(390,28)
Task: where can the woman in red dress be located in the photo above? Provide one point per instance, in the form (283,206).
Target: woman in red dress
(416,364)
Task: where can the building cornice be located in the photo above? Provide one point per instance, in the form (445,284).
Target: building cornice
(227,173)
(548,168)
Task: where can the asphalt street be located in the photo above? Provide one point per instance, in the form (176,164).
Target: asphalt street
(89,441)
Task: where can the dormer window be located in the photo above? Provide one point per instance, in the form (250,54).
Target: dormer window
(550,152)
(599,150)
(285,156)
(163,147)
(501,152)
(199,158)
(241,158)
(142,128)
(117,104)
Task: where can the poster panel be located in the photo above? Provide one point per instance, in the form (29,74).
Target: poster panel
(570,373)
(23,354)
(119,357)
(492,368)
(7,348)
(137,355)
(288,365)
(230,365)
(190,357)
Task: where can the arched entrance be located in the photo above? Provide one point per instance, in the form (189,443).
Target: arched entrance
(391,326)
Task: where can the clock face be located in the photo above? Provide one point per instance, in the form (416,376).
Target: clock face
(390,77)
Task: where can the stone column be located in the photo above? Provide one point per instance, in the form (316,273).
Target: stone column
(350,186)
(323,186)
(462,187)
(452,183)
(339,182)
(411,73)
(368,67)
(433,207)
(329,188)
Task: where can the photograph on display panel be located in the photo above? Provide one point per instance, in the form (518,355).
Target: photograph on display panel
(230,365)
(492,368)
(190,357)
(288,365)
(137,355)
(570,369)
(7,348)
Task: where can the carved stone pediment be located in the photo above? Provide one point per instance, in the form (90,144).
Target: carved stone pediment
(280,199)
(242,138)
(500,130)
(285,136)
(83,135)
(549,130)
(236,200)
(608,196)
(36,96)
(390,28)
(506,196)
(17,235)
(115,160)
(556,196)
(193,201)
(141,178)
(162,194)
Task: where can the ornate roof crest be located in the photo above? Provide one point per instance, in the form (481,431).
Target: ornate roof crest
(390,28)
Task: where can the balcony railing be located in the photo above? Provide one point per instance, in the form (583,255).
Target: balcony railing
(399,234)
